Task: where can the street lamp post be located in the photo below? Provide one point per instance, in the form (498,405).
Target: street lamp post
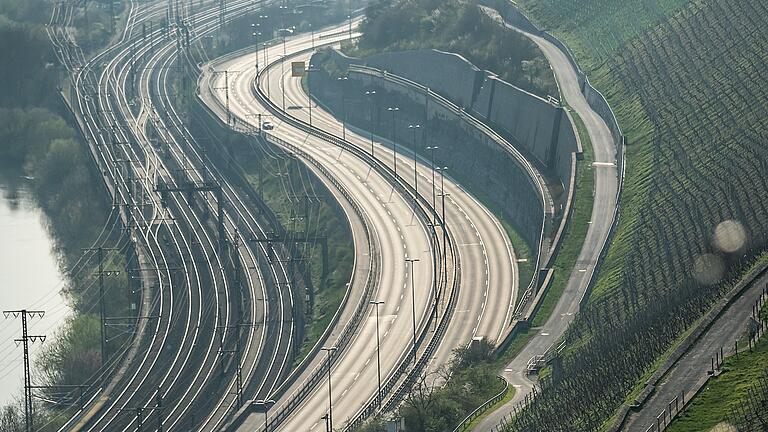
(443,194)
(433,247)
(394,111)
(309,71)
(342,81)
(284,31)
(442,189)
(256,35)
(414,128)
(280,83)
(371,94)
(432,162)
(266,62)
(313,35)
(412,261)
(329,351)
(350,19)
(378,349)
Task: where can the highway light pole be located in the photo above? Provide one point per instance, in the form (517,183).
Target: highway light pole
(327,426)
(282,74)
(443,194)
(313,35)
(378,349)
(413,261)
(309,92)
(329,351)
(266,62)
(256,33)
(442,188)
(371,94)
(342,81)
(394,111)
(414,128)
(445,230)
(433,247)
(432,162)
(283,31)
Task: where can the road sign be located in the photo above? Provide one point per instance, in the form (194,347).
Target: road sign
(297,69)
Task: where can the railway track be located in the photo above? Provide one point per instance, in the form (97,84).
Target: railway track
(180,360)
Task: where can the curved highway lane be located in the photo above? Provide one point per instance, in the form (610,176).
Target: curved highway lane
(485,253)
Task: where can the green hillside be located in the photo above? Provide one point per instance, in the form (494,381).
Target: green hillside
(686,79)
(597,29)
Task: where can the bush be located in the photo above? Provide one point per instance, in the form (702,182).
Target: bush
(457,26)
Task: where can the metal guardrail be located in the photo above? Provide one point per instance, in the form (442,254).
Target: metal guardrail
(414,373)
(526,25)
(404,188)
(503,143)
(349,330)
(464,425)
(419,204)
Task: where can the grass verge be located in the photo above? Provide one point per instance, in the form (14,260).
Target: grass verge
(508,397)
(282,185)
(576,232)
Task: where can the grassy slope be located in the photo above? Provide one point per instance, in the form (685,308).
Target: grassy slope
(278,190)
(573,239)
(596,29)
(669,68)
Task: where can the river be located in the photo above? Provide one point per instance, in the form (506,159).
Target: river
(30,278)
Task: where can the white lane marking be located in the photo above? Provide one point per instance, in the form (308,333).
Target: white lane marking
(603,164)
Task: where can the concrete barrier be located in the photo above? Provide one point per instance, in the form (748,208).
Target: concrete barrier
(521,204)
(534,125)
(448,74)
(513,16)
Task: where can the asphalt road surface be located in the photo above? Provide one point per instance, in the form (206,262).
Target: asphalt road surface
(486,256)
(605,193)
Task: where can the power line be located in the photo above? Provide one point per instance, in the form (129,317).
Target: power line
(26,338)
(102,306)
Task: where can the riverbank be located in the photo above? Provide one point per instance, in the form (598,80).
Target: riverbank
(30,275)
(52,207)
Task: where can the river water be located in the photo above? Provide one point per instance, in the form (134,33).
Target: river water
(30,278)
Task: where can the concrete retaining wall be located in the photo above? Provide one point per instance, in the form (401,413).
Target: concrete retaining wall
(534,125)
(450,75)
(598,103)
(567,151)
(596,100)
(520,203)
(538,128)
(532,122)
